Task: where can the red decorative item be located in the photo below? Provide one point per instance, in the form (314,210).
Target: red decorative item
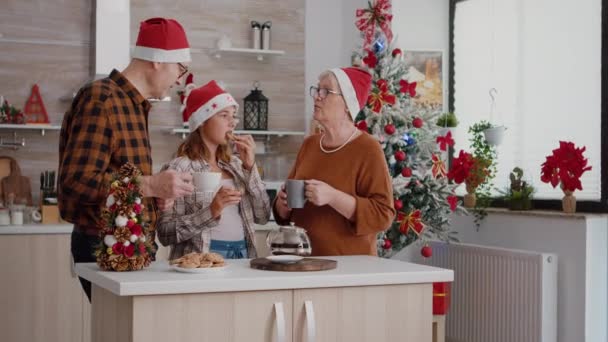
(387,244)
(362,125)
(378,98)
(417,122)
(34,110)
(398,204)
(412,221)
(453,201)
(400,155)
(426,251)
(371,60)
(406,172)
(445,141)
(389,129)
(441,298)
(438,169)
(396,52)
(408,88)
(565,166)
(378,13)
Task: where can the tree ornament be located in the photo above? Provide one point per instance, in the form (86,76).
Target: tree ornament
(387,244)
(426,251)
(406,172)
(398,204)
(418,122)
(390,129)
(396,52)
(400,155)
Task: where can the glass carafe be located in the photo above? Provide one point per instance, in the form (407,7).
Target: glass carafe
(289,240)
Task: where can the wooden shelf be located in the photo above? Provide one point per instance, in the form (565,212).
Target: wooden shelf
(260,54)
(184,132)
(31,127)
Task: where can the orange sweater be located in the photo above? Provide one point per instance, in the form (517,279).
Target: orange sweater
(358,169)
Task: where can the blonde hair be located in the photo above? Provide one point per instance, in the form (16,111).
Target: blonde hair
(194,148)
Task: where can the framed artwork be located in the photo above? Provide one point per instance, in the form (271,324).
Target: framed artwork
(425,67)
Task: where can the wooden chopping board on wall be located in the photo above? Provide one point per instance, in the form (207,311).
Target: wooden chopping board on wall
(14,183)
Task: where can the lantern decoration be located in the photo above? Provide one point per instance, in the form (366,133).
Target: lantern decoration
(255,107)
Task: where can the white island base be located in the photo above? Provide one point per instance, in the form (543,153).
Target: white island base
(363,299)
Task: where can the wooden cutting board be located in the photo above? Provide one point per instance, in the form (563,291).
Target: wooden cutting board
(18,185)
(304,265)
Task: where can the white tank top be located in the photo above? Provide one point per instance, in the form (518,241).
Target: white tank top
(230,227)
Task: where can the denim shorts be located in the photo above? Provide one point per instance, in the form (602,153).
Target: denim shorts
(229,249)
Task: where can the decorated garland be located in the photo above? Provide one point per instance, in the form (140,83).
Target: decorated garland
(124,244)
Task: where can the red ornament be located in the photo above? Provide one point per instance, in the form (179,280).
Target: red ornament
(426,251)
(370,60)
(453,202)
(387,244)
(396,52)
(398,204)
(417,122)
(441,298)
(400,155)
(362,125)
(408,88)
(34,108)
(406,172)
(390,129)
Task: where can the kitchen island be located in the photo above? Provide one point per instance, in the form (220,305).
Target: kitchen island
(364,299)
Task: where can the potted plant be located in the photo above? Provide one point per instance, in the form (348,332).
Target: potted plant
(565,166)
(519,193)
(446,121)
(470,170)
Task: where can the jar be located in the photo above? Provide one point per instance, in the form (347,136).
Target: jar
(17,215)
(255,35)
(5,218)
(266,35)
(290,240)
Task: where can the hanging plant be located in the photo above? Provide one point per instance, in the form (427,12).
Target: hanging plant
(482,150)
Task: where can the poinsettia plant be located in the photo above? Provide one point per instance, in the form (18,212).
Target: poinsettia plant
(470,170)
(10,114)
(565,166)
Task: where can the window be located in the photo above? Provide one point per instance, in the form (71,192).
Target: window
(545,62)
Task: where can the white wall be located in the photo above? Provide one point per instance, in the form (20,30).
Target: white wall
(581,246)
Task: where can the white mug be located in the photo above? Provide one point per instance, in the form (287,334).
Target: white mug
(207,181)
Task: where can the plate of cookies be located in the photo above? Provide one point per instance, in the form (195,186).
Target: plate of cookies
(198,263)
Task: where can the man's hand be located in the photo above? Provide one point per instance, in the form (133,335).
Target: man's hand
(167,185)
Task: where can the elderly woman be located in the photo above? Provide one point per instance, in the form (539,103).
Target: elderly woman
(347,184)
(222,222)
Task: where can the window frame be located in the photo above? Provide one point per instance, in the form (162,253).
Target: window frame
(600,206)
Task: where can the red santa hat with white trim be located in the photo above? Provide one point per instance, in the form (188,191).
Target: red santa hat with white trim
(355,85)
(205,101)
(162,40)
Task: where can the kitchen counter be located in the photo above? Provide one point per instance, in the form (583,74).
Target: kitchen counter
(238,276)
(36,229)
(364,299)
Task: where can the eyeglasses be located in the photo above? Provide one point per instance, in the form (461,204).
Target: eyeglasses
(322,92)
(184,70)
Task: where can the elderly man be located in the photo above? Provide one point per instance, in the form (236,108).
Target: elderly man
(107,126)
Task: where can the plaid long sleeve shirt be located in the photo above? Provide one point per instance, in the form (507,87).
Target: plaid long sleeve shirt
(186,227)
(106,127)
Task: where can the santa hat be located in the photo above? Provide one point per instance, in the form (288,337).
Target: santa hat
(355,84)
(204,102)
(162,40)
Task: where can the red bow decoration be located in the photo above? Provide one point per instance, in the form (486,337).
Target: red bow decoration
(407,87)
(438,168)
(379,98)
(453,202)
(445,141)
(371,60)
(412,221)
(377,13)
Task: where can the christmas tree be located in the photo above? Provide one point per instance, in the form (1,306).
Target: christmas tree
(415,152)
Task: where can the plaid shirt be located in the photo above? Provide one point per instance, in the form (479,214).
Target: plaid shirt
(106,127)
(187,226)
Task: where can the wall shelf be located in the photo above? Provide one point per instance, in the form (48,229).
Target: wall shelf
(260,54)
(184,132)
(31,127)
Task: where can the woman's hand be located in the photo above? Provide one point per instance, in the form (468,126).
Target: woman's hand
(281,204)
(223,198)
(319,193)
(246,148)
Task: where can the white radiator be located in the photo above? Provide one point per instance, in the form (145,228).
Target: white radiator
(499,295)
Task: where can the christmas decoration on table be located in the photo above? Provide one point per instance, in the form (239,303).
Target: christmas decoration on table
(183,96)
(424,197)
(124,233)
(10,114)
(564,167)
(35,111)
